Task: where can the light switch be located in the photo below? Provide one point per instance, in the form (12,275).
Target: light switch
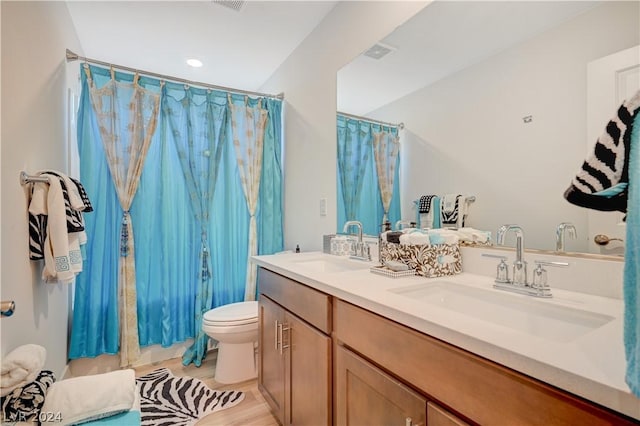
(323,206)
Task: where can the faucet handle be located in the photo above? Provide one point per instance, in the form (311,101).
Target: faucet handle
(542,263)
(494,256)
(540,277)
(502,270)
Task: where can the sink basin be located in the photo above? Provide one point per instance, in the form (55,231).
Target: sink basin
(534,317)
(332,264)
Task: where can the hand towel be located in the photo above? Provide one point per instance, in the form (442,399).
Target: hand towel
(450,209)
(83,194)
(57,261)
(86,398)
(429,210)
(38,220)
(73,203)
(425,203)
(21,366)
(631,275)
(601,183)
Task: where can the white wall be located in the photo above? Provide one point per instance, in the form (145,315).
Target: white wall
(465,133)
(308,79)
(33,137)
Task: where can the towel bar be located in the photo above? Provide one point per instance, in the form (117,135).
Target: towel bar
(469,199)
(25,178)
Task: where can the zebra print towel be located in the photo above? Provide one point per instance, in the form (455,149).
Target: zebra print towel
(169,400)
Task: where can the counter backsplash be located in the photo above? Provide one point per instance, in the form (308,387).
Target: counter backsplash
(598,277)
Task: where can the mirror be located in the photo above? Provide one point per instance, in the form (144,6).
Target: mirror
(493,96)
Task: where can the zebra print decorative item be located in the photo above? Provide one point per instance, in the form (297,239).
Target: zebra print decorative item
(450,209)
(179,401)
(601,183)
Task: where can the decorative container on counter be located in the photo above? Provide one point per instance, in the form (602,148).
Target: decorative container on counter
(437,260)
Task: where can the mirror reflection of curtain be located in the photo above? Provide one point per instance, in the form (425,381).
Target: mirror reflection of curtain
(359,195)
(168,238)
(248,125)
(354,150)
(127,115)
(386,148)
(196,126)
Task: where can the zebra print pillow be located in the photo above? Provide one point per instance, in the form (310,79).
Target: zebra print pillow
(167,399)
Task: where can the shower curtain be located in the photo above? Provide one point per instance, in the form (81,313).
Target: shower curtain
(359,194)
(168,237)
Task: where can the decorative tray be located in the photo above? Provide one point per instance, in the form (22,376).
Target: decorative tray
(382,270)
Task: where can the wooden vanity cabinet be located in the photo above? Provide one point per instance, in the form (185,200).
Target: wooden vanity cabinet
(294,363)
(394,357)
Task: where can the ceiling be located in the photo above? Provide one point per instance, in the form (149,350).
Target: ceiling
(239,49)
(443,38)
(242,49)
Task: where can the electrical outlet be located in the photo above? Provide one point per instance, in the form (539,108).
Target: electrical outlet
(323,206)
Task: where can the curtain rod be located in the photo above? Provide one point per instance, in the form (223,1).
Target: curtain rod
(371,120)
(71,56)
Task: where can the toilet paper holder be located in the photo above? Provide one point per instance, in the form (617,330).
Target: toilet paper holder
(7,308)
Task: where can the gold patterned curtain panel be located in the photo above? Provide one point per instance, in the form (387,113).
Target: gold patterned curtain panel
(247,124)
(127,115)
(385,151)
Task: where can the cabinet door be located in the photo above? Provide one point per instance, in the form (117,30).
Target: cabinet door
(438,416)
(271,365)
(365,395)
(309,374)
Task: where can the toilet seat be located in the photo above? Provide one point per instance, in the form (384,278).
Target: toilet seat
(234,314)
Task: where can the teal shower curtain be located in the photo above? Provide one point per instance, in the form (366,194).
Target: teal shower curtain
(171,295)
(358,191)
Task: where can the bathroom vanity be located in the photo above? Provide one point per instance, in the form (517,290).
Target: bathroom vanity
(340,345)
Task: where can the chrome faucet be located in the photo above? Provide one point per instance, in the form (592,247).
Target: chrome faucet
(401,224)
(362,249)
(519,265)
(519,283)
(560,231)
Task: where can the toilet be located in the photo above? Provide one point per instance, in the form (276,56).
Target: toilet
(235,328)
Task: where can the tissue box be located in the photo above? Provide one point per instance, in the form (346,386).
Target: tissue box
(342,246)
(437,260)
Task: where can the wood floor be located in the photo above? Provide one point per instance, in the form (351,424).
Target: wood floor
(252,411)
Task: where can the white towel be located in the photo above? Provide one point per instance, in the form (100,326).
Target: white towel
(21,366)
(86,398)
(58,266)
(443,236)
(415,237)
(473,235)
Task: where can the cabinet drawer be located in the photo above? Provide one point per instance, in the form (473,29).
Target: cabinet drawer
(478,389)
(307,303)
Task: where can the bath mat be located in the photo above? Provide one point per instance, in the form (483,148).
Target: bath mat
(179,401)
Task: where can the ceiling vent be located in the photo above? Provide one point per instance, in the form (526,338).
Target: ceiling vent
(231,4)
(378,50)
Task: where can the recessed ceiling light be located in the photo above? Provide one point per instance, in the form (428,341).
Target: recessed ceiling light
(194,63)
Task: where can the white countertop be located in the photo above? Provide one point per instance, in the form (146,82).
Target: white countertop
(591,365)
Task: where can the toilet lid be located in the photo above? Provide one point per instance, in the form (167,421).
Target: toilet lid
(233,314)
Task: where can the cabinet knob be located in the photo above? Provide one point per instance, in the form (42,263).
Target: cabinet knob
(408,421)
